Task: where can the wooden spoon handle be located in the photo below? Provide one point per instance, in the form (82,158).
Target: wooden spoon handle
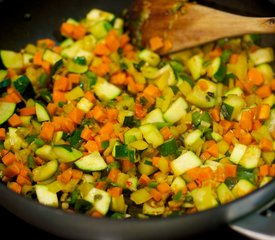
(194,24)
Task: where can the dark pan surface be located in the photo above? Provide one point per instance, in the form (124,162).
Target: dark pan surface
(26,21)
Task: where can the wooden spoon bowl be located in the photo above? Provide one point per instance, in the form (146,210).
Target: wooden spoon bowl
(178,25)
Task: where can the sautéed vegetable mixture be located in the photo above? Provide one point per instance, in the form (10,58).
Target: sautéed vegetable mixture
(96,126)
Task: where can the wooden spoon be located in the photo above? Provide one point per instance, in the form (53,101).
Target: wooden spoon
(181,24)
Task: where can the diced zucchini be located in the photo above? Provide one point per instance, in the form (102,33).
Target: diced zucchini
(178,184)
(45,196)
(192,137)
(267,72)
(155,116)
(149,57)
(251,158)
(11,59)
(152,135)
(91,162)
(3,74)
(145,168)
(262,55)
(6,111)
(100,199)
(100,29)
(45,152)
(176,110)
(132,183)
(203,94)
(234,91)
(74,94)
(105,90)
(140,196)
(242,188)
(99,15)
(45,171)
(237,153)
(204,198)
(132,135)
(65,153)
(74,67)
(24,86)
(51,57)
(168,147)
(152,211)
(41,112)
(195,66)
(84,104)
(185,162)
(232,106)
(224,194)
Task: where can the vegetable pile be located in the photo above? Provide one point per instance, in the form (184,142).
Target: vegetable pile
(96,126)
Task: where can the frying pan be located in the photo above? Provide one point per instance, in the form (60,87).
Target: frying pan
(26,21)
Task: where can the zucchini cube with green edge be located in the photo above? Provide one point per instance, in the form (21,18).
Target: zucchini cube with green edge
(242,188)
(24,86)
(152,211)
(251,158)
(168,147)
(51,57)
(45,171)
(185,162)
(237,153)
(98,15)
(65,153)
(151,135)
(204,198)
(45,196)
(105,90)
(12,59)
(178,184)
(232,106)
(155,116)
(41,112)
(203,94)
(262,55)
(100,199)
(6,111)
(225,195)
(91,162)
(84,104)
(176,110)
(140,196)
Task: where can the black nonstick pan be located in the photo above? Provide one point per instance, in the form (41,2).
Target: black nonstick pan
(26,21)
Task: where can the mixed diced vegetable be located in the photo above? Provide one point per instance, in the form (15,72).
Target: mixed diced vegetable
(94,125)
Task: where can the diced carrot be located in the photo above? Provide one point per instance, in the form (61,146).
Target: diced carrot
(126,165)
(156,195)
(118,78)
(22,180)
(226,125)
(257,124)
(101,184)
(27,111)
(264,91)
(230,170)
(264,170)
(205,173)
(113,175)
(144,180)
(15,120)
(193,173)
(112,114)
(51,107)
(66,29)
(79,31)
(14,186)
(99,114)
(86,133)
(37,58)
(45,43)
(246,121)
(264,112)
(245,138)
(9,158)
(101,49)
(205,155)
(215,114)
(112,41)
(12,170)
(163,187)
(272,85)
(63,166)
(47,131)
(61,83)
(96,214)
(124,39)
(76,174)
(228,137)
(65,176)
(265,145)
(152,91)
(91,146)
(272,170)
(109,159)
(74,78)
(191,185)
(213,150)
(2,133)
(234,58)
(166,132)
(156,43)
(58,96)
(255,76)
(90,96)
(46,66)
(216,52)
(76,115)
(115,191)
(219,174)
